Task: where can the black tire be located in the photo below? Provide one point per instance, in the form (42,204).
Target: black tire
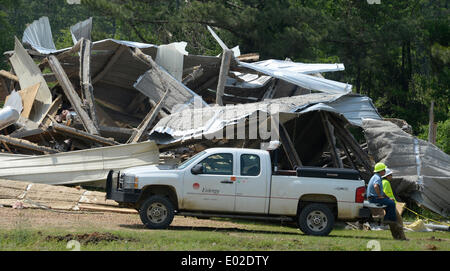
(316,219)
(156,212)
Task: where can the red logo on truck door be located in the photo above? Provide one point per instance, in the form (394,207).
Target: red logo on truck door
(196,186)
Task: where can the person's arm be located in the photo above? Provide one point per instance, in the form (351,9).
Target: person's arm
(378,191)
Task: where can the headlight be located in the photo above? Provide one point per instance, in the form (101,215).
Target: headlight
(130,182)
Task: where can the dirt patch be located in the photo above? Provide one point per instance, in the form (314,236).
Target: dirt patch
(431,247)
(72,221)
(88,238)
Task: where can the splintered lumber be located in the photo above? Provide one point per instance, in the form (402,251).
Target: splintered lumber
(287,145)
(9,75)
(337,162)
(71,94)
(69,131)
(148,120)
(224,69)
(61,56)
(25,144)
(28,96)
(51,112)
(85,78)
(251,57)
(110,63)
(348,139)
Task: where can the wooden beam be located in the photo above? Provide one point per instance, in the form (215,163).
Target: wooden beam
(72,95)
(351,142)
(72,132)
(61,56)
(148,120)
(25,144)
(9,75)
(85,79)
(224,69)
(117,53)
(337,161)
(288,146)
(51,112)
(347,154)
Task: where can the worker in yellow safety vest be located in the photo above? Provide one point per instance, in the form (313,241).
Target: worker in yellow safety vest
(387,190)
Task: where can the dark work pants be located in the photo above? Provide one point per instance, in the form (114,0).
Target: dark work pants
(390,209)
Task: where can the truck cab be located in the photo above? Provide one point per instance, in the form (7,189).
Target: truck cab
(239,182)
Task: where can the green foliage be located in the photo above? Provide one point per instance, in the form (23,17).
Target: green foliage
(442,135)
(397,53)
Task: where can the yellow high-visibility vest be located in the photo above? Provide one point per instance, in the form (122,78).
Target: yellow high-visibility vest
(387,190)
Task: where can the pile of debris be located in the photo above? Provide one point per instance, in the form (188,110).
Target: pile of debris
(103,95)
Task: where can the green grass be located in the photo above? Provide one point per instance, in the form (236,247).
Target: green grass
(256,236)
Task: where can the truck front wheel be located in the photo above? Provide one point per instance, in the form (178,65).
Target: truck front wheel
(156,212)
(316,219)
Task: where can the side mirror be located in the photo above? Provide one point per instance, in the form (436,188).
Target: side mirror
(197,169)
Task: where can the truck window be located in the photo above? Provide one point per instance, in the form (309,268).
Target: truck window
(218,164)
(190,160)
(250,165)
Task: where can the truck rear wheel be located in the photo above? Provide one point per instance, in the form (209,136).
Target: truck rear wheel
(316,219)
(156,212)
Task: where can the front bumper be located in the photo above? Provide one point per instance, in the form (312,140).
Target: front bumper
(116,193)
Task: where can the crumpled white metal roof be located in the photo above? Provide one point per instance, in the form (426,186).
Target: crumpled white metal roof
(191,123)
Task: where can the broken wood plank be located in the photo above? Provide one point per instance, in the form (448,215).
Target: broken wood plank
(72,95)
(351,142)
(224,69)
(85,79)
(28,96)
(337,162)
(288,146)
(25,144)
(51,112)
(75,49)
(9,75)
(250,57)
(148,120)
(72,132)
(194,75)
(116,55)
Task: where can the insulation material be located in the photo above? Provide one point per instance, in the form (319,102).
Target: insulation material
(420,169)
(171,57)
(29,75)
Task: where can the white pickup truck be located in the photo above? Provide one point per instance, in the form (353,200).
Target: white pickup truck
(240,183)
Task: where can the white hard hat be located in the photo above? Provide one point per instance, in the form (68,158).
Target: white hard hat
(388,172)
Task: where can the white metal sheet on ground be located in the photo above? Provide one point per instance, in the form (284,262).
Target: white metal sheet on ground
(78,166)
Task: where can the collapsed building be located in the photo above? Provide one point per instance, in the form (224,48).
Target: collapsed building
(92,104)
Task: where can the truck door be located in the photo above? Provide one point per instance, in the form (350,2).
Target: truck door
(251,185)
(214,188)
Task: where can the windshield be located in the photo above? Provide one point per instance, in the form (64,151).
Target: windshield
(190,160)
